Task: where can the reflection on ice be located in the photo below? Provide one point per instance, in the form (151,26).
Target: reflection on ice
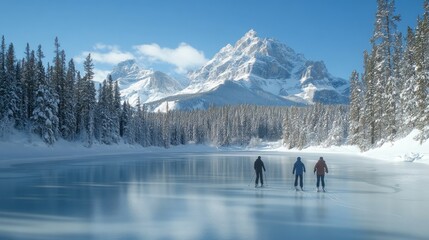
(188,196)
(187,214)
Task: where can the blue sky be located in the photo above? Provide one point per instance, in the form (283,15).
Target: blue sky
(175,36)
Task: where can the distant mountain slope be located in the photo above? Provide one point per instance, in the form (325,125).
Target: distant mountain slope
(147,85)
(254,70)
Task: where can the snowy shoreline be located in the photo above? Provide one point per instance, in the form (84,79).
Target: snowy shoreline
(21,151)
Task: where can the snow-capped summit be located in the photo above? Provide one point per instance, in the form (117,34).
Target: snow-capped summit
(251,57)
(262,63)
(254,70)
(127,72)
(260,71)
(148,85)
(128,67)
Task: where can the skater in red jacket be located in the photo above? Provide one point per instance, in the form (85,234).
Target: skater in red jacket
(320,168)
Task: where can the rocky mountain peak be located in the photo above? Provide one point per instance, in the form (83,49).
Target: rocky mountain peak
(253,70)
(125,68)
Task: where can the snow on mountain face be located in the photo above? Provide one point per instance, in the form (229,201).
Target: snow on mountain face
(270,66)
(250,58)
(254,70)
(148,85)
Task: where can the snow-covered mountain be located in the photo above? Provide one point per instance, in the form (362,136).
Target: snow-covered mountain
(148,85)
(254,70)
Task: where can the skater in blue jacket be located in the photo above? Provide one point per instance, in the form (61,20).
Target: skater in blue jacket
(298,170)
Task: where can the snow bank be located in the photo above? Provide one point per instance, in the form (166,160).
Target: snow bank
(21,149)
(407,149)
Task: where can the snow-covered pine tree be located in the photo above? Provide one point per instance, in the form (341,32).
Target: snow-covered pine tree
(383,43)
(20,118)
(68,127)
(425,114)
(45,113)
(369,115)
(109,108)
(2,78)
(286,128)
(339,129)
(78,96)
(392,92)
(99,114)
(4,123)
(3,81)
(107,113)
(408,74)
(355,108)
(116,112)
(290,131)
(12,100)
(138,123)
(397,84)
(422,71)
(226,130)
(29,82)
(126,129)
(86,104)
(58,78)
(165,130)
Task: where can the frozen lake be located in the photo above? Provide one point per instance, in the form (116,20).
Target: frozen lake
(211,196)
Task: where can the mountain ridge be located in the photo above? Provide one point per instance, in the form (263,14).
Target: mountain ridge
(254,70)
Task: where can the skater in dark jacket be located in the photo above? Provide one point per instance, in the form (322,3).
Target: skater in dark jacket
(258,166)
(298,170)
(320,168)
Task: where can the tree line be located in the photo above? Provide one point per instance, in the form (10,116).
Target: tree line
(390,98)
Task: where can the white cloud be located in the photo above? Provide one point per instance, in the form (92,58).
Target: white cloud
(102,46)
(107,54)
(184,57)
(100,75)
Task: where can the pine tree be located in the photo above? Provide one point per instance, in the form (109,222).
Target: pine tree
(425,114)
(116,112)
(383,44)
(138,121)
(165,131)
(29,81)
(369,115)
(68,126)
(45,113)
(86,104)
(422,72)
(12,101)
(409,78)
(125,127)
(392,92)
(3,87)
(356,100)
(20,118)
(60,85)
(103,115)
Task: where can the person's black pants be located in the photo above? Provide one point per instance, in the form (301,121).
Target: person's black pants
(301,183)
(321,178)
(259,174)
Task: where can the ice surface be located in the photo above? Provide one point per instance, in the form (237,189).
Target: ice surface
(210,196)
